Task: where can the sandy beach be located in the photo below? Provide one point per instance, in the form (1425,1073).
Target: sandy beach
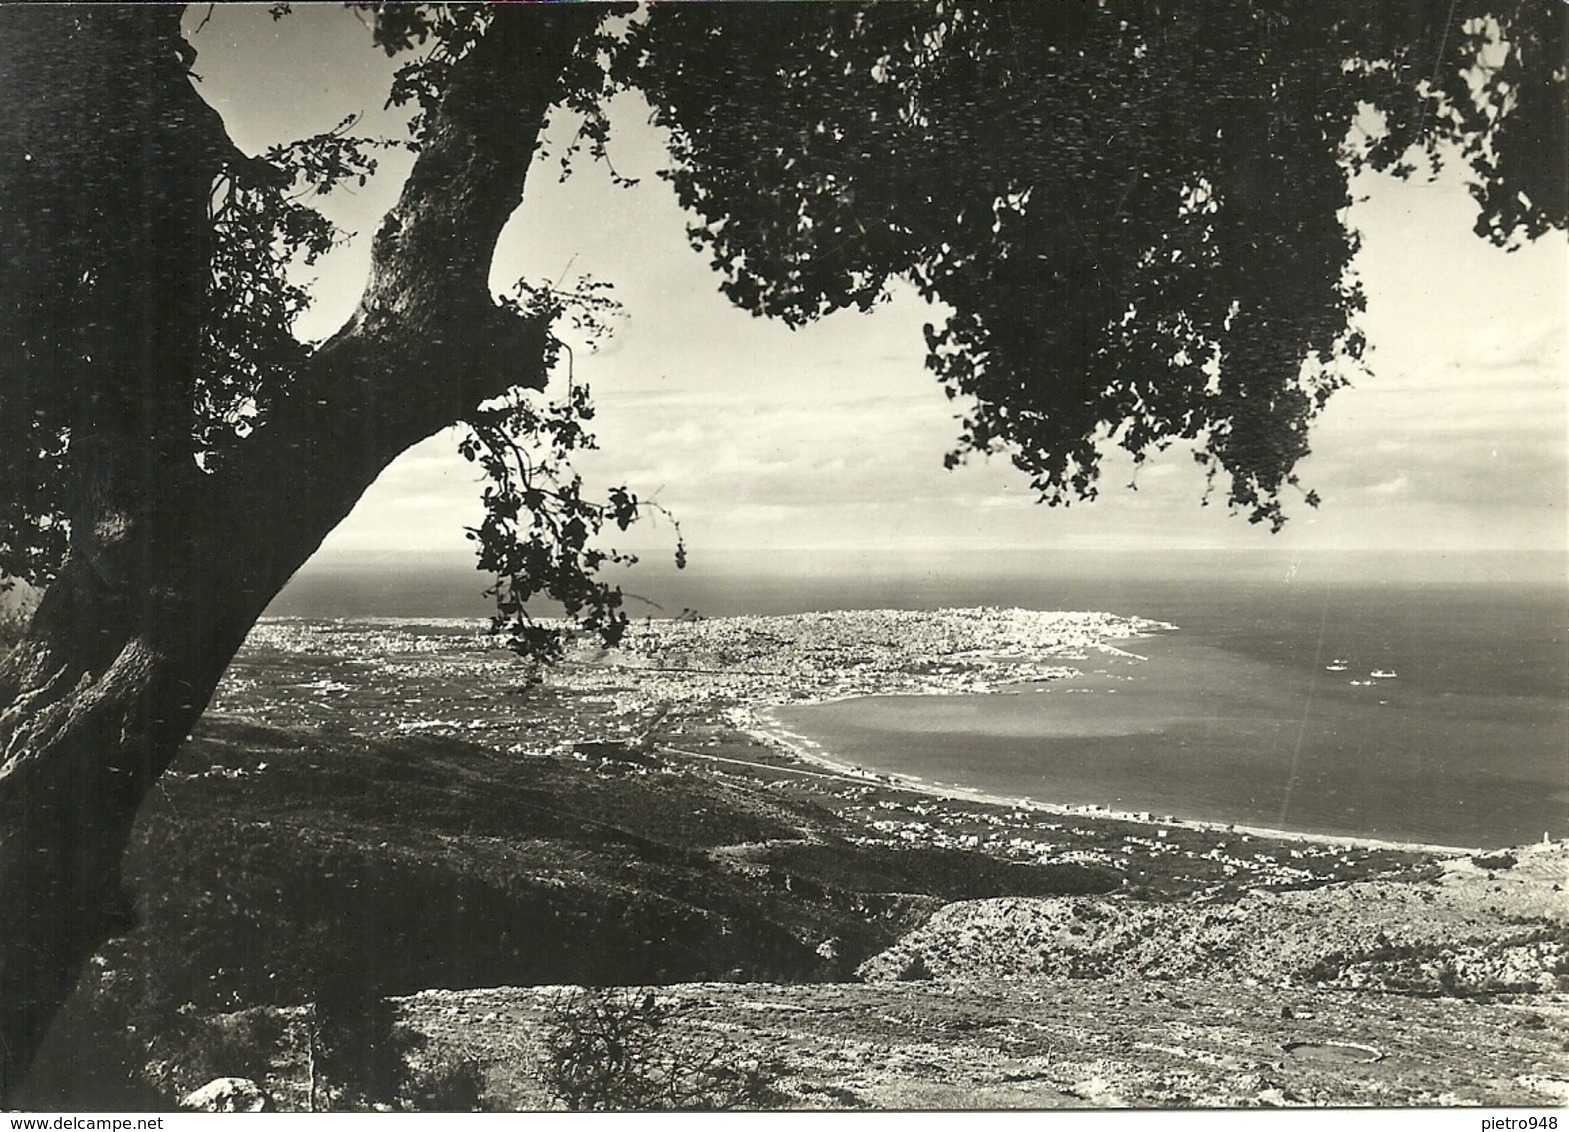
(761,724)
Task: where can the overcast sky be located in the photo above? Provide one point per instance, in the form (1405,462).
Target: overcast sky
(833,436)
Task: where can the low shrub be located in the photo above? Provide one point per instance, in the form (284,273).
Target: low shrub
(448,1084)
(1497,862)
(623,1050)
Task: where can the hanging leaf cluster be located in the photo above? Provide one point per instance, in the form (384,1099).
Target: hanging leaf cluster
(539,535)
(1135,214)
(540,530)
(265,230)
(84,402)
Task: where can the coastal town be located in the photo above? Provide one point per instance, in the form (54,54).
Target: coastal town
(758,661)
(692,668)
(452,677)
(693,696)
(786,905)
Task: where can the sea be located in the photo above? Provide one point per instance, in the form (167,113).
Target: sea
(1420,698)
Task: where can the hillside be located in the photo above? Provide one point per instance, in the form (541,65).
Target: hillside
(401,811)
(1109,1042)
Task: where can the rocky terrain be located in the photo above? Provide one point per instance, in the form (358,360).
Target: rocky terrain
(1469,929)
(1443,991)
(379,809)
(1071,1043)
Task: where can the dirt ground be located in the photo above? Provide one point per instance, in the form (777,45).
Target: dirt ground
(1032,1043)
(1260,1005)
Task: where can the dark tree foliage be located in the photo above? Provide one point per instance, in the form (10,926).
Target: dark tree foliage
(539,531)
(1135,212)
(1133,216)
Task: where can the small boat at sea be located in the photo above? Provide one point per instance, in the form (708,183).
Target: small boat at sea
(1336,665)
(1382,674)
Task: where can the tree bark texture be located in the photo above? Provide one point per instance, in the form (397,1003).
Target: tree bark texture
(169,567)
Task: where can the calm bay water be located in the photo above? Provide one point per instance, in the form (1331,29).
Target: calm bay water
(1235,716)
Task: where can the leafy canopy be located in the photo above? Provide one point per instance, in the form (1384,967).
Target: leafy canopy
(1134,215)
(1135,212)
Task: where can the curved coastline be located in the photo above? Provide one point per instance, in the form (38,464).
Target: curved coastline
(761,724)
(759,664)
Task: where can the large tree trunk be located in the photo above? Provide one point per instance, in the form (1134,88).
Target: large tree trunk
(170,567)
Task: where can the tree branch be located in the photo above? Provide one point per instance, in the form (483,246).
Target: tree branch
(427,342)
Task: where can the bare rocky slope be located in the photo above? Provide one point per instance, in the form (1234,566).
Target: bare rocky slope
(374,809)
(1033,1043)
(1436,992)
(1471,929)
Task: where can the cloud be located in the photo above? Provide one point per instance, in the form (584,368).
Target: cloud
(1513,344)
(834,435)
(1400,485)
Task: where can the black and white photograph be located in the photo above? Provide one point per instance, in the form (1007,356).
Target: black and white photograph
(857,556)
